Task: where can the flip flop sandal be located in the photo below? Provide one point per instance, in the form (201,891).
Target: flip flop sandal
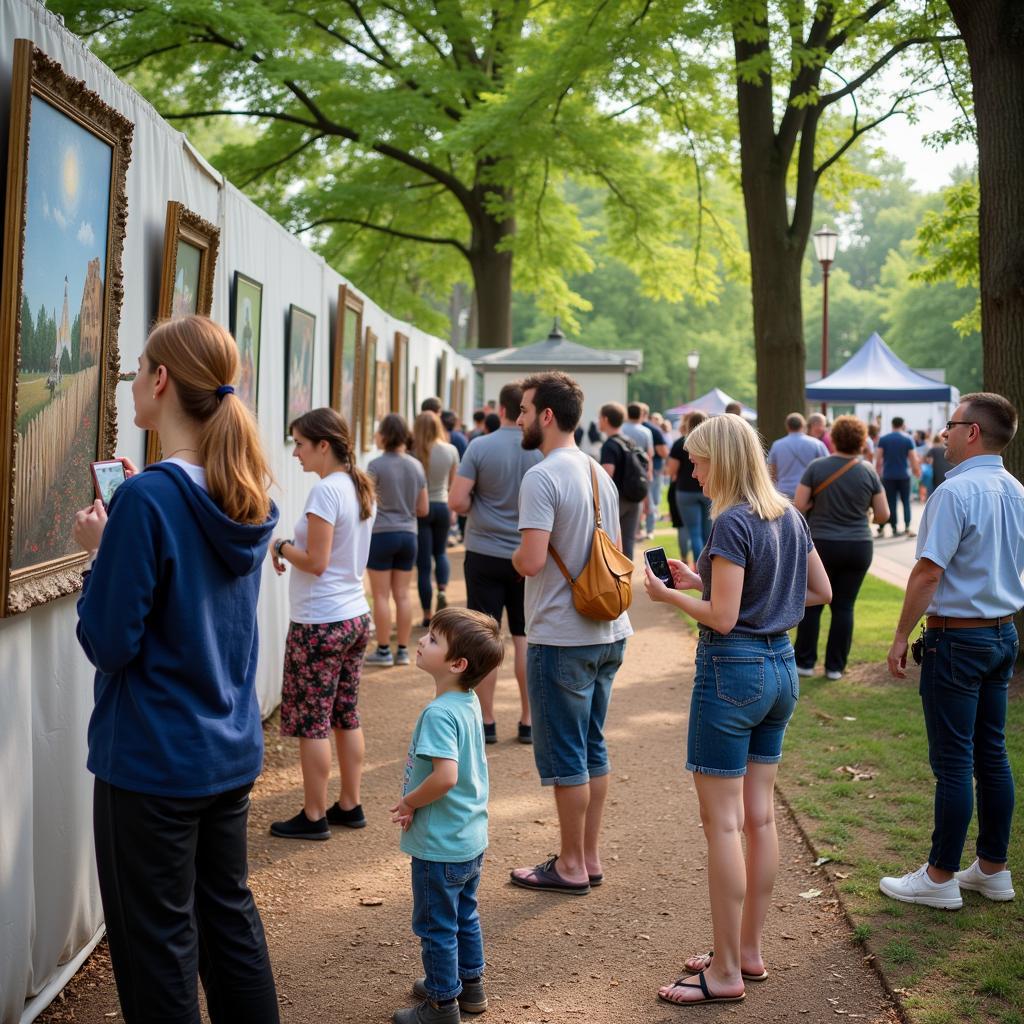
(547,879)
(707,957)
(709,996)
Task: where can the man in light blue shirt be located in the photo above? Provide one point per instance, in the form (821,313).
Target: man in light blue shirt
(969,579)
(789,456)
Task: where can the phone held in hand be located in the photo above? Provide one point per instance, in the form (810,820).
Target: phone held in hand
(107,476)
(657,561)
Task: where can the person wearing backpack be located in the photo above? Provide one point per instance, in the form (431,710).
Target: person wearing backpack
(576,625)
(629,466)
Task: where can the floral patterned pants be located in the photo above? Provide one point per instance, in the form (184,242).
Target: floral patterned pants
(322,663)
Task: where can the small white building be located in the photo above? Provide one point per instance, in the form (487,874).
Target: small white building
(603,374)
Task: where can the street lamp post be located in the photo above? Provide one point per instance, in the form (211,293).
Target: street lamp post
(825,249)
(693,361)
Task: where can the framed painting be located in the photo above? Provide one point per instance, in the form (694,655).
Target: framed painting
(368,397)
(300,343)
(442,380)
(383,403)
(415,391)
(60,309)
(345,357)
(186,277)
(246,327)
(400,375)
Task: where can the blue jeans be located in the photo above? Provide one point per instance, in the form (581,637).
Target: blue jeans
(570,689)
(897,490)
(695,512)
(446,919)
(654,493)
(744,693)
(964,683)
(433,543)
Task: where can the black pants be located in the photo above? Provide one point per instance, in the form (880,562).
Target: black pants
(173,877)
(846,563)
(897,491)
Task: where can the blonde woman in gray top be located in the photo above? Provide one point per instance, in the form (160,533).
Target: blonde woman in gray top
(440,460)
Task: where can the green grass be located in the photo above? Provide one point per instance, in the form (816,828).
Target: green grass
(960,966)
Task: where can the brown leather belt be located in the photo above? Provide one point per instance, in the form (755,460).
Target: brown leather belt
(944,622)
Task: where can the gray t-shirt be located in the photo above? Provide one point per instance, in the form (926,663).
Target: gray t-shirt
(773,554)
(496,463)
(400,478)
(639,435)
(557,496)
(790,456)
(840,511)
(442,457)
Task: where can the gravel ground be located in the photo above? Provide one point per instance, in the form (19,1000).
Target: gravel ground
(337,913)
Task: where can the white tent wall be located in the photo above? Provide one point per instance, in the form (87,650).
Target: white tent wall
(49,901)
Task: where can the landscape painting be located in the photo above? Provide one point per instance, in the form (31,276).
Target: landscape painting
(300,343)
(246,325)
(61,306)
(368,398)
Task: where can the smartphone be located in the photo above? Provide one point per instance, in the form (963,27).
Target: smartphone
(107,476)
(658,563)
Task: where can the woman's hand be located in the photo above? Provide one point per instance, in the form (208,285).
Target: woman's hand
(656,590)
(89,524)
(130,469)
(279,566)
(402,814)
(683,576)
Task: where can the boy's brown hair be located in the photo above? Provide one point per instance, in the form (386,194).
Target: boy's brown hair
(473,636)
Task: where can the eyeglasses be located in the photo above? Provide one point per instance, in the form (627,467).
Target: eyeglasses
(961,423)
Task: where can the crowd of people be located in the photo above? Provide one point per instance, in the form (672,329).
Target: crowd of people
(168,617)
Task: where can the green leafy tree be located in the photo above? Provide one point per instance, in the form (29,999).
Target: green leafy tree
(416,142)
(65,361)
(76,344)
(29,356)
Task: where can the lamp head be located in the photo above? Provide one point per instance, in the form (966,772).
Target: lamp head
(825,240)
(693,360)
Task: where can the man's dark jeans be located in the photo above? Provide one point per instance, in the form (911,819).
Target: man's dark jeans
(964,684)
(897,490)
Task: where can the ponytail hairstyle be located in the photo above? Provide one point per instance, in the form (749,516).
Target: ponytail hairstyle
(426,432)
(201,358)
(326,425)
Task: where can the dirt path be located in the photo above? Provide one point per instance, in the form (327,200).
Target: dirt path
(597,959)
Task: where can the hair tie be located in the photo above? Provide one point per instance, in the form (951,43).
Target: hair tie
(224,389)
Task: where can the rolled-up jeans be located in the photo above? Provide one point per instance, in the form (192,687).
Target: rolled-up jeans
(965,678)
(654,496)
(695,512)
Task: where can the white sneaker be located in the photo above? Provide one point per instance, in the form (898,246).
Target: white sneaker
(996,887)
(804,671)
(917,887)
(379,657)
(833,675)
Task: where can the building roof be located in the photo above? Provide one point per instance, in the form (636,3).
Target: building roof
(557,351)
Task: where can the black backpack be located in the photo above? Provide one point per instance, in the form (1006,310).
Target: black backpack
(632,483)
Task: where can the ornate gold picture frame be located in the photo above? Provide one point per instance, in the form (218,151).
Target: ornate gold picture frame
(400,375)
(186,276)
(345,358)
(65,218)
(368,396)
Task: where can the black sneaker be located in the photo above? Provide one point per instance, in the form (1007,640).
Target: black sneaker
(490,732)
(429,1013)
(300,827)
(472,998)
(525,733)
(337,815)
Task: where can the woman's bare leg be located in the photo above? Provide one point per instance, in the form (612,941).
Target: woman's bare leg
(380,588)
(400,583)
(315,759)
(351,749)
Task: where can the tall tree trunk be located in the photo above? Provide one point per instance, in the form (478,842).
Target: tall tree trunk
(993,31)
(492,270)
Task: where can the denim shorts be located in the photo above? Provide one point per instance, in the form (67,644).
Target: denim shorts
(744,693)
(570,688)
(392,551)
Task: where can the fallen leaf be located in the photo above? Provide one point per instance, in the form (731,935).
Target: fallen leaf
(822,860)
(849,718)
(810,894)
(842,874)
(857,774)
(370,901)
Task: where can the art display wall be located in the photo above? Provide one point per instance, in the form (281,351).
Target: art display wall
(282,302)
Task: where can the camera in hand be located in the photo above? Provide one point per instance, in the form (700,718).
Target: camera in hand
(657,561)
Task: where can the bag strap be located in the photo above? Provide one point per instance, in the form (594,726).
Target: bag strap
(835,476)
(597,526)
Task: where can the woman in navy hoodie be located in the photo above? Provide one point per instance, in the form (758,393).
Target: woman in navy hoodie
(168,617)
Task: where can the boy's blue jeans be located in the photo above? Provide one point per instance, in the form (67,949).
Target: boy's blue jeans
(445,917)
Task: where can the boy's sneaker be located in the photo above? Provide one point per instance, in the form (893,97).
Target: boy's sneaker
(804,671)
(402,656)
(996,887)
(381,656)
(917,887)
(353,818)
(472,998)
(300,827)
(833,675)
(428,1013)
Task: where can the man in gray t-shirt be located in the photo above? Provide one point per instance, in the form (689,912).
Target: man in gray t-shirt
(572,660)
(789,456)
(486,491)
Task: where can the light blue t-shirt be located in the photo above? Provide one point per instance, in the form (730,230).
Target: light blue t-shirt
(791,455)
(973,527)
(452,829)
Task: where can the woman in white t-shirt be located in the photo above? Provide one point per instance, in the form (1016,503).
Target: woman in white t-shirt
(330,623)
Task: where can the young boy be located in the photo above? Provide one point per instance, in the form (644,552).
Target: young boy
(443,814)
